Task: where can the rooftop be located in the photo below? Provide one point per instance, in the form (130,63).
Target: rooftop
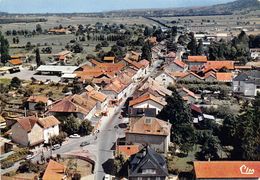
(54,171)
(202,59)
(147,97)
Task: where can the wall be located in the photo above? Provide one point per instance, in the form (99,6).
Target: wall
(36,134)
(49,132)
(19,135)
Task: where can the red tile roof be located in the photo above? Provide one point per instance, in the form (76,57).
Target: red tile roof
(48,122)
(16,61)
(149,125)
(227,169)
(74,104)
(202,59)
(27,123)
(219,65)
(54,171)
(224,77)
(146,98)
(128,150)
(180,63)
(37,99)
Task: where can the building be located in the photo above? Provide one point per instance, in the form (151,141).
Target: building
(14,62)
(147,164)
(109,59)
(63,55)
(27,131)
(56,70)
(102,99)
(82,107)
(32,131)
(224,76)
(176,65)
(33,100)
(50,127)
(191,76)
(151,131)
(247,83)
(165,79)
(196,61)
(188,95)
(148,101)
(219,65)
(55,171)
(239,170)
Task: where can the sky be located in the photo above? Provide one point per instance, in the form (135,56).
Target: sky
(70,6)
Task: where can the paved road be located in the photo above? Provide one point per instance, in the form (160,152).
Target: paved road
(108,135)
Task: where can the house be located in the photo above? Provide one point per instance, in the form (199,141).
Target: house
(50,127)
(55,171)
(247,83)
(151,131)
(59,31)
(63,55)
(196,61)
(188,95)
(27,131)
(148,101)
(14,62)
(33,100)
(191,76)
(82,107)
(219,65)
(210,76)
(176,65)
(165,79)
(127,150)
(5,145)
(102,99)
(141,67)
(224,77)
(134,56)
(227,170)
(140,112)
(68,78)
(147,164)
(170,57)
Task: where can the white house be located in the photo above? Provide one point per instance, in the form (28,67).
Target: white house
(148,101)
(165,79)
(50,127)
(247,83)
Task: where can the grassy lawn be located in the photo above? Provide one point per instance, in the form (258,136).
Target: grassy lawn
(5,81)
(44,89)
(182,164)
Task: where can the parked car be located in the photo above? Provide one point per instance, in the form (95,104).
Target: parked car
(84,144)
(74,136)
(30,156)
(55,146)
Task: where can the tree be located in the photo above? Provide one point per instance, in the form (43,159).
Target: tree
(58,139)
(85,128)
(15,82)
(4,49)
(146,51)
(246,143)
(39,106)
(38,57)
(38,28)
(147,31)
(209,147)
(28,167)
(200,48)
(77,48)
(227,130)
(71,125)
(192,45)
(179,116)
(98,47)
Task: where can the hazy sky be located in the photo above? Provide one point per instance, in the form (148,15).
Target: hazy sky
(43,6)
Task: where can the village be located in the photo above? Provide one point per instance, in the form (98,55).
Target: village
(129,101)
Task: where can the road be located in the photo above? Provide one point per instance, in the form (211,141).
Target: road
(108,135)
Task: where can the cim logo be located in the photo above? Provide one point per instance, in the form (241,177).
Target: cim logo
(246,170)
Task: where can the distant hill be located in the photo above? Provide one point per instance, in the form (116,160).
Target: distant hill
(219,9)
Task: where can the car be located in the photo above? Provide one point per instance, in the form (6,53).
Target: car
(74,136)
(55,146)
(30,156)
(106,177)
(84,144)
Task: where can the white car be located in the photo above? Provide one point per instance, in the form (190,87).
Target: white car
(74,136)
(30,156)
(107,177)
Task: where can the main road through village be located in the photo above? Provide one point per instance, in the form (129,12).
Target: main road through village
(108,135)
